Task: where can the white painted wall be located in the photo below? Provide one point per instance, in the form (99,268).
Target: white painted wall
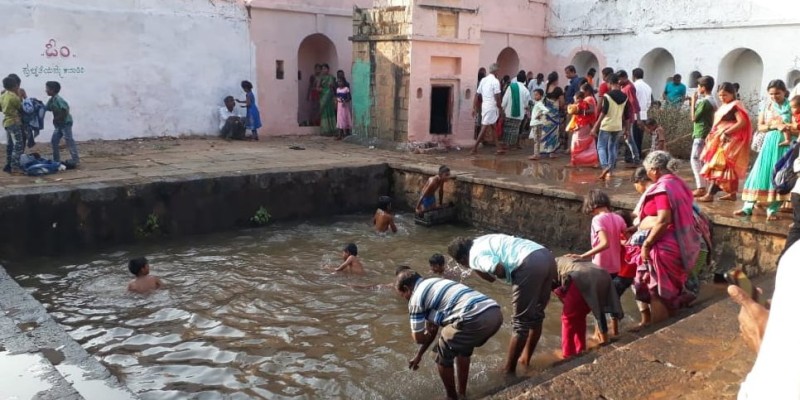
(698,33)
(134,68)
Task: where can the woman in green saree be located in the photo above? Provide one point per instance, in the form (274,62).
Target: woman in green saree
(327,102)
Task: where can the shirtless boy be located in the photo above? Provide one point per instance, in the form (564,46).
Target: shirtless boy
(351,261)
(144,282)
(427,199)
(384,219)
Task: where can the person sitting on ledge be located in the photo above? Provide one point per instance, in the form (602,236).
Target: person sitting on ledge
(427,198)
(231,123)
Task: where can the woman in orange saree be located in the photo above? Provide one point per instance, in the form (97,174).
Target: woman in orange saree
(727,152)
(583,150)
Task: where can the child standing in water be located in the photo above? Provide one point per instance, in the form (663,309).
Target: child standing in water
(144,282)
(384,219)
(344,119)
(427,198)
(351,261)
(439,268)
(253,116)
(607,228)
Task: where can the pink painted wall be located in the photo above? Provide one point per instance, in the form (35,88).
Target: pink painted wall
(277,30)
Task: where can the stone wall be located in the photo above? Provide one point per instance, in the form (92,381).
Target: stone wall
(381,71)
(130,68)
(553,217)
(59,221)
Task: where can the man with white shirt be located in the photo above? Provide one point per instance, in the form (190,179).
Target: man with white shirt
(537,83)
(644,95)
(488,96)
(515,104)
(231,123)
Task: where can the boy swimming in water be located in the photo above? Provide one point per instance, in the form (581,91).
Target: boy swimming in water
(384,219)
(439,268)
(351,261)
(427,199)
(144,282)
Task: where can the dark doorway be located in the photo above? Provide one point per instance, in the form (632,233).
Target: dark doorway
(441,110)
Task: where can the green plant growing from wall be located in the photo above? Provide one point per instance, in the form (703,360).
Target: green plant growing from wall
(261,217)
(151,227)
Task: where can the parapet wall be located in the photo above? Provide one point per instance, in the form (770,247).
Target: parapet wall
(55,221)
(552,216)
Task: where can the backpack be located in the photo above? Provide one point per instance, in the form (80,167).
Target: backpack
(783,176)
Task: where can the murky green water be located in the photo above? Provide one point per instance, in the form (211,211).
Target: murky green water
(254,314)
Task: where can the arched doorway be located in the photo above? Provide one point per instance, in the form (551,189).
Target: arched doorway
(743,66)
(583,61)
(508,61)
(792,78)
(658,65)
(314,49)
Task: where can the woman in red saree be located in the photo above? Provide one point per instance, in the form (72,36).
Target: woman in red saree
(671,242)
(727,151)
(583,150)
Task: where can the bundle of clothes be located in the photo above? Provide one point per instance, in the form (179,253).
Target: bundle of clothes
(34,165)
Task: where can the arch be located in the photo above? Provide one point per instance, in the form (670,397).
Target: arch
(508,61)
(314,49)
(793,78)
(746,67)
(583,60)
(658,65)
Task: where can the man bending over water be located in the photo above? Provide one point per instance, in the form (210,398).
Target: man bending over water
(144,282)
(529,267)
(467,317)
(427,198)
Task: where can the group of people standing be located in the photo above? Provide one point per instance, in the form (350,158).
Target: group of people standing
(330,100)
(657,250)
(23,119)
(583,120)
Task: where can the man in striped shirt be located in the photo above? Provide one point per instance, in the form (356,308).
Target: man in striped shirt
(468,318)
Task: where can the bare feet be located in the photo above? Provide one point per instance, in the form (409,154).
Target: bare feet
(772,217)
(533,158)
(603,174)
(784,143)
(700,192)
(706,199)
(741,213)
(729,197)
(638,327)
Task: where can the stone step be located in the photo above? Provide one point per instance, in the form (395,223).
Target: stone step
(701,356)
(39,360)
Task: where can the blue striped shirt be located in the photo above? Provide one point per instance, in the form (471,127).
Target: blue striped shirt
(443,302)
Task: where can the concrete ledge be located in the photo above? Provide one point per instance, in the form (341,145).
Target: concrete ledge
(40,360)
(53,220)
(699,357)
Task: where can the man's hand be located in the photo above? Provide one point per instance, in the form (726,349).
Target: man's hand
(413,364)
(752,317)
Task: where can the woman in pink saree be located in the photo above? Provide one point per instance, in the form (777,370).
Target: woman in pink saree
(671,244)
(583,150)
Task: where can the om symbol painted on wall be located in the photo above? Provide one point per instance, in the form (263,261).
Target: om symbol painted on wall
(51,50)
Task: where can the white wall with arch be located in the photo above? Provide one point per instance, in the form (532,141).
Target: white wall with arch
(117,71)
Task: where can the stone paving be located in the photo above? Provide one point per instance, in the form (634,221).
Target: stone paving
(140,160)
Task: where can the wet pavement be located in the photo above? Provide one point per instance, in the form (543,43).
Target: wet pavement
(38,359)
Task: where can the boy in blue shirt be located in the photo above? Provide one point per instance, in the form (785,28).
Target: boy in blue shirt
(62,121)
